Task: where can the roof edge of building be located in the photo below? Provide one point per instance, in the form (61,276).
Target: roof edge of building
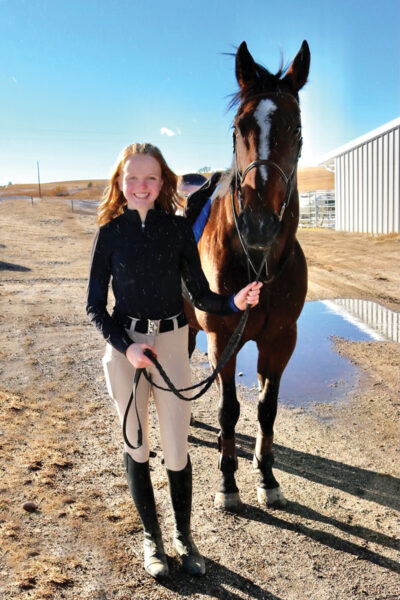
(329,156)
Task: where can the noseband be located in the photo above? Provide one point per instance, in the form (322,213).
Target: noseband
(238,179)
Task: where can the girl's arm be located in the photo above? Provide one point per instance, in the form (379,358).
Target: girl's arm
(97,293)
(198,286)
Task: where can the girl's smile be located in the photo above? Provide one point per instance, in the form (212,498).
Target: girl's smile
(141,182)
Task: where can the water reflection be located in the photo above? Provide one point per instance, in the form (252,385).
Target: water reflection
(316,373)
(379,321)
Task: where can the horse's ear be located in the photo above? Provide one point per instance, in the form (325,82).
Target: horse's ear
(296,75)
(246,71)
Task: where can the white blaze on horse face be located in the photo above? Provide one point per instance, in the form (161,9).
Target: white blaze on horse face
(262,115)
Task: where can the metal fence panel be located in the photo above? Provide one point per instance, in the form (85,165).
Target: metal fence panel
(317,209)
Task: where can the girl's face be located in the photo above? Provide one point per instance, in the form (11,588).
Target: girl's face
(141,182)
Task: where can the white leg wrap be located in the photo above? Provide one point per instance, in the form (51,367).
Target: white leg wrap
(229,502)
(273,498)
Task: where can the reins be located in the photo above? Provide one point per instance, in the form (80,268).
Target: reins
(235,338)
(207,382)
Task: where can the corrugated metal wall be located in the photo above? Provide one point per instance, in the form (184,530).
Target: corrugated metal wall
(367,184)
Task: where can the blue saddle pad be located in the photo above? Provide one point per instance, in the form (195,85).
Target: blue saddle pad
(201,221)
(199,203)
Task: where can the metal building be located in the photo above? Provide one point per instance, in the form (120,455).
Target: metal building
(367,181)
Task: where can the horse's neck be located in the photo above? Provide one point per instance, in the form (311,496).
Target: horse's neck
(223,222)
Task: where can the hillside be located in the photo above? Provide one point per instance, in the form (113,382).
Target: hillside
(89,189)
(309,179)
(315,178)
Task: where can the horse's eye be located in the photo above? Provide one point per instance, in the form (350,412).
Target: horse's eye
(297,131)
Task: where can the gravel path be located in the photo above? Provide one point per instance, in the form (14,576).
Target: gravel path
(61,445)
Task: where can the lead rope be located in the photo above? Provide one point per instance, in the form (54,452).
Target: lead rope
(207,382)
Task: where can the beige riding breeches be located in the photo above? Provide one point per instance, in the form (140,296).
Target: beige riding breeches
(173,414)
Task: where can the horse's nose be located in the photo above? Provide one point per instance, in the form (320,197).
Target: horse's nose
(259,231)
(269,226)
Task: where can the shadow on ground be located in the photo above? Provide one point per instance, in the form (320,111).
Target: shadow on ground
(322,537)
(363,483)
(5,266)
(214,582)
(370,485)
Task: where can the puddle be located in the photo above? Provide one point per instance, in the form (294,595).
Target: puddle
(316,373)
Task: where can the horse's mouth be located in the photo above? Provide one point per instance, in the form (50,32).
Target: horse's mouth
(265,247)
(260,237)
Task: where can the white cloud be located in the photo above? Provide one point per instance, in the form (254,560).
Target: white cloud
(166,131)
(14,79)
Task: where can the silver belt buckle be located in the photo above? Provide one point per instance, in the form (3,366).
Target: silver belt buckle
(152,327)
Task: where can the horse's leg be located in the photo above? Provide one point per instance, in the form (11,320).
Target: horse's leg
(271,364)
(227,496)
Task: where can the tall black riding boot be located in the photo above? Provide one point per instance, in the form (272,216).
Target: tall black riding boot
(180,486)
(138,475)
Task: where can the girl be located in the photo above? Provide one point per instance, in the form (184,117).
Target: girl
(146,249)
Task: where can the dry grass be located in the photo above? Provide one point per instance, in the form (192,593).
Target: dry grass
(310,179)
(78,188)
(41,457)
(386,236)
(49,436)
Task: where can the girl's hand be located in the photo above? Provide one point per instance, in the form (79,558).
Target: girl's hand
(248,295)
(136,357)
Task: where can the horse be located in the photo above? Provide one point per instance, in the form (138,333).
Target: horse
(252,226)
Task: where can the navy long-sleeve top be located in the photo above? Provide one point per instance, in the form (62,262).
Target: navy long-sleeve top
(145,263)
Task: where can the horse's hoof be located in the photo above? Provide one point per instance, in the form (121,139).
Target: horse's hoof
(230,502)
(273,498)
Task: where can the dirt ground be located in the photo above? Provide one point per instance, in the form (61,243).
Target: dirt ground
(61,445)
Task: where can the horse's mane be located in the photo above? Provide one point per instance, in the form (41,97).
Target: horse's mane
(263,82)
(225,182)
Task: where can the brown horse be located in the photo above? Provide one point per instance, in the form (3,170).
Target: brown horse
(254,217)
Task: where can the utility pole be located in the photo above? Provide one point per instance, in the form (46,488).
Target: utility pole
(38,175)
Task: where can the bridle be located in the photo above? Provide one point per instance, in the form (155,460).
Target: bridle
(238,179)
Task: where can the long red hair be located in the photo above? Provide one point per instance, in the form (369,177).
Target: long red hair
(113,199)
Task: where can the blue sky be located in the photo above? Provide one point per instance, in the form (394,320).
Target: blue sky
(80,79)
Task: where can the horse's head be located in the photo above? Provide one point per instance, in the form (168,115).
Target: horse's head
(267,144)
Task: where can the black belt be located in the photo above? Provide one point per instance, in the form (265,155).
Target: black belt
(148,326)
